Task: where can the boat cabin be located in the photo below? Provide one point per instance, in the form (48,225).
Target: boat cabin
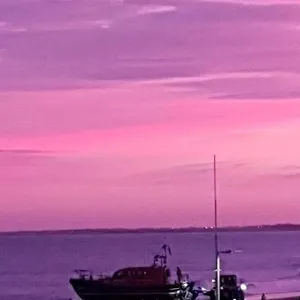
(142,276)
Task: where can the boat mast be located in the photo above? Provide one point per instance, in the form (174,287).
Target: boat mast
(216,207)
(217,254)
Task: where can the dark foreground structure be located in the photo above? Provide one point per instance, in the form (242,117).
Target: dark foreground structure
(229,289)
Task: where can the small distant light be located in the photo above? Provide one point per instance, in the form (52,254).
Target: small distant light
(243,287)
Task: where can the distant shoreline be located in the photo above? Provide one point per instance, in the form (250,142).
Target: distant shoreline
(254,228)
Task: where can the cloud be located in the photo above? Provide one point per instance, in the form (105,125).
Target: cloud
(21,151)
(209,77)
(172,176)
(12,160)
(282,173)
(56,27)
(156,9)
(235,85)
(185,175)
(200,39)
(23,155)
(257,2)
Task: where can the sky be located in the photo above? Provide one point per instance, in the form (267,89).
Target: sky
(111,112)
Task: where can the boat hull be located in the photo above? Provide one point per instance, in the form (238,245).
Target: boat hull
(96,290)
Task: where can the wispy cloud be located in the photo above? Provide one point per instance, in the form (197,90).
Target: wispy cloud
(56,27)
(12,160)
(257,2)
(177,176)
(20,151)
(156,9)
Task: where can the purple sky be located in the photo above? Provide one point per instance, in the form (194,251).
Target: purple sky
(111,112)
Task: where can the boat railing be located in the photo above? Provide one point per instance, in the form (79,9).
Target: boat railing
(83,274)
(102,276)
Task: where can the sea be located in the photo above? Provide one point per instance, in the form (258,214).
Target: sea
(37,266)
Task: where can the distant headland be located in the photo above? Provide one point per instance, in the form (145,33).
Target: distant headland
(254,228)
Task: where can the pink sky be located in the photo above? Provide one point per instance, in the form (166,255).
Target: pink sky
(111,112)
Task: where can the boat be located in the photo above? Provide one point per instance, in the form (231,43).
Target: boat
(136,283)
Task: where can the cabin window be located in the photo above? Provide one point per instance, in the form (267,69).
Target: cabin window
(119,274)
(139,274)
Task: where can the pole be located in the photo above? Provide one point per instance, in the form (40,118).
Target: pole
(216,207)
(216,234)
(218,294)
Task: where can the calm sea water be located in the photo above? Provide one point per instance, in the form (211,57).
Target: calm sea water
(38,266)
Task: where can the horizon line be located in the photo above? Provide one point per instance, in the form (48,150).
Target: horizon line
(258,227)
